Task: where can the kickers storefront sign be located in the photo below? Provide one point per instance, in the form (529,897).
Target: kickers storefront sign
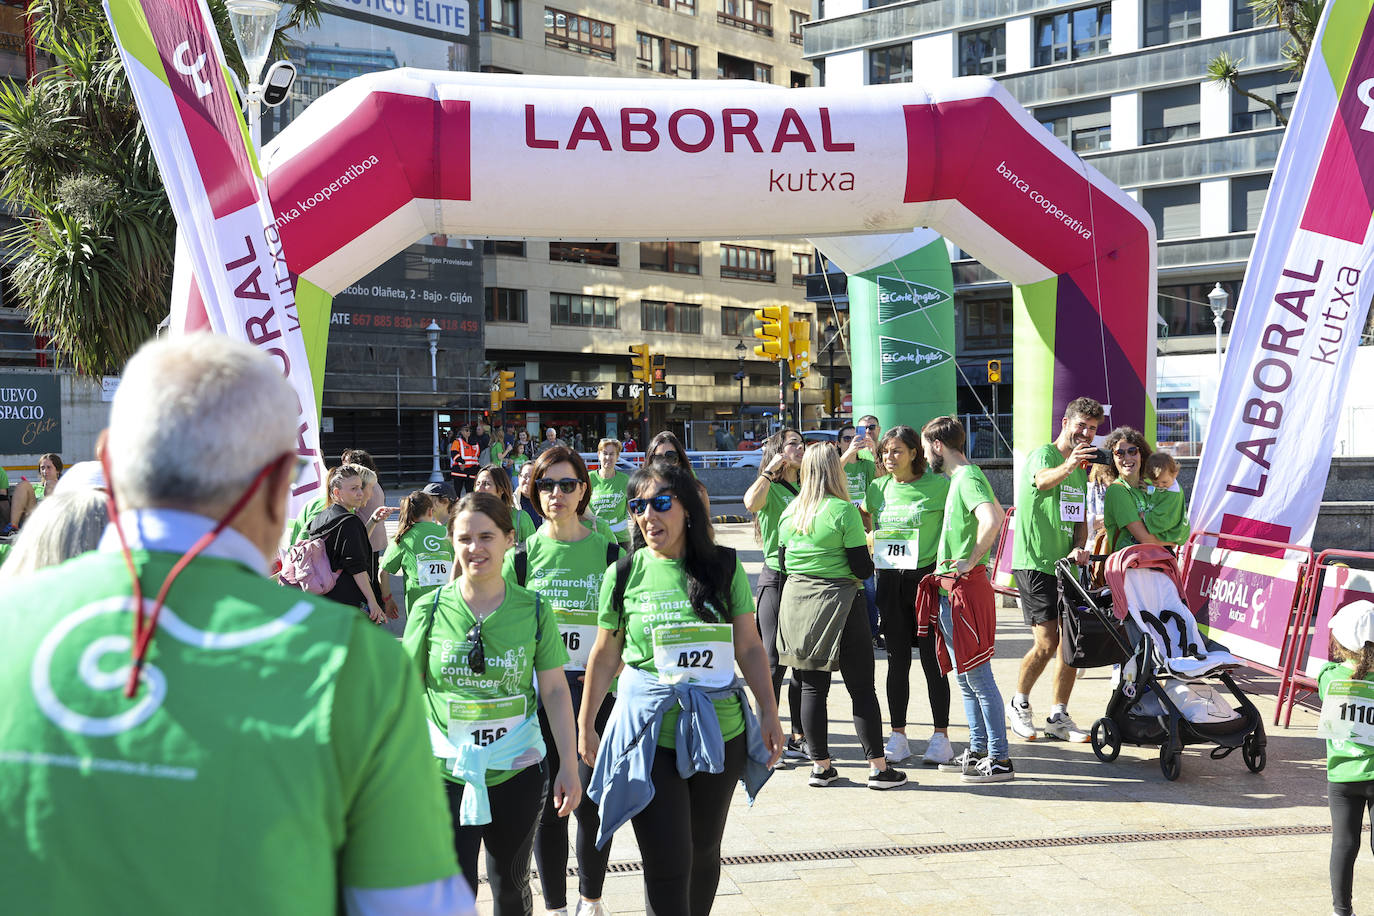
(566,391)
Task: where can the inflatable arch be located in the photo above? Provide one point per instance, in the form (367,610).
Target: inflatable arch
(385,159)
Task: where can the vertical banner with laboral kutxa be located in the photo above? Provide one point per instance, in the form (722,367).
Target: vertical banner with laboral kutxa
(176,69)
(1302,306)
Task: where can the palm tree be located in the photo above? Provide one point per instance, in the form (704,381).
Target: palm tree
(1299,19)
(93,249)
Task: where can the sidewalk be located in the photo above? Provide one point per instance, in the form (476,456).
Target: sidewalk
(1069,835)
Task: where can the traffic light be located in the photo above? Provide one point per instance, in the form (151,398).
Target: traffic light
(639,365)
(502,388)
(773,333)
(800,346)
(659,368)
(994,371)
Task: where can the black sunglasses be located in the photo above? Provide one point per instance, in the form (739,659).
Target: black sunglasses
(661,503)
(546,484)
(846,438)
(1127,452)
(669,457)
(477,655)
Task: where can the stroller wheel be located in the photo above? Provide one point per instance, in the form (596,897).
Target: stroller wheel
(1170,762)
(1252,752)
(1106,742)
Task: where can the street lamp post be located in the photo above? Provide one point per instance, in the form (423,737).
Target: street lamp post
(740,350)
(1218,299)
(432,332)
(253,23)
(832,333)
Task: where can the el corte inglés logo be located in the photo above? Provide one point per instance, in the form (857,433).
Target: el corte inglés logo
(900,358)
(902,297)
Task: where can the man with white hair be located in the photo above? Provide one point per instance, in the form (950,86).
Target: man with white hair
(252,749)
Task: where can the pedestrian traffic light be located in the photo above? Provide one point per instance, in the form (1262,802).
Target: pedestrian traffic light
(658,367)
(773,332)
(800,347)
(639,365)
(994,371)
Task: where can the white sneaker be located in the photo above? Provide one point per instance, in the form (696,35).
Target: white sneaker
(1061,726)
(1021,721)
(592,908)
(938,750)
(898,748)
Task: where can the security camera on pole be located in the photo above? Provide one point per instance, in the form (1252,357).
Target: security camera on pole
(775,332)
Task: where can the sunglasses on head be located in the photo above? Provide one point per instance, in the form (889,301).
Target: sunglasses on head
(477,655)
(661,503)
(1129,451)
(546,484)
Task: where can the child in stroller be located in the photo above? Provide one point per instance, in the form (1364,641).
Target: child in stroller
(1161,696)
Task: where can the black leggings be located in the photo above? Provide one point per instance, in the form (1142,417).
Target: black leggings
(551,842)
(897,607)
(1349,801)
(856,667)
(679,832)
(767,601)
(508,839)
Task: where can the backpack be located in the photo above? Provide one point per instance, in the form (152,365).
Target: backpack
(306,565)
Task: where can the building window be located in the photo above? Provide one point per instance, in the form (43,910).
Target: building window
(606,254)
(1061,37)
(798,20)
(741,263)
(737,68)
(1176,211)
(1168,21)
(800,80)
(890,65)
(1184,309)
(579,33)
(1275,85)
(572,310)
(1171,114)
(750,15)
(662,55)
(983,52)
(670,257)
(987,324)
(1247,201)
(1083,126)
(501,17)
(1242,15)
(508,247)
(670,317)
(801,267)
(737,322)
(506,305)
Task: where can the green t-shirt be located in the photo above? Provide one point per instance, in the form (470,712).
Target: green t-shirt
(4,552)
(968,489)
(909,511)
(277,725)
(424,555)
(599,526)
(302,522)
(1045,519)
(656,596)
(859,473)
(780,496)
(4,479)
(1346,761)
(567,575)
(1165,515)
(524,525)
(821,551)
(1121,505)
(610,503)
(436,638)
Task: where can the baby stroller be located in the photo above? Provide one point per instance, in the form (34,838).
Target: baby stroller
(1162,696)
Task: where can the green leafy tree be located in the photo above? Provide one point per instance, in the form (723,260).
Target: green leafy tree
(1299,19)
(93,250)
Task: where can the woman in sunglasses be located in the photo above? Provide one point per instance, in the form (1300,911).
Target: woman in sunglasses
(564,561)
(492,479)
(767,497)
(678,614)
(489,654)
(1124,502)
(666,448)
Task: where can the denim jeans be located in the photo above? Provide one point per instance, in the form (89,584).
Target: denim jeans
(987,723)
(871,599)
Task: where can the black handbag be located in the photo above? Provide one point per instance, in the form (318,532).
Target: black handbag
(1085,641)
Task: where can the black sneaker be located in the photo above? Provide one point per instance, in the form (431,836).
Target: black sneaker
(889,778)
(795,749)
(989,770)
(822,778)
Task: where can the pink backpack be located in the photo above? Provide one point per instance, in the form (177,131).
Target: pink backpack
(306,565)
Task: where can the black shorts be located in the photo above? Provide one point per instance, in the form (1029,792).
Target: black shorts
(1039,593)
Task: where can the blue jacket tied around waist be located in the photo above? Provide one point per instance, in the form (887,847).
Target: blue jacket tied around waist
(620,783)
